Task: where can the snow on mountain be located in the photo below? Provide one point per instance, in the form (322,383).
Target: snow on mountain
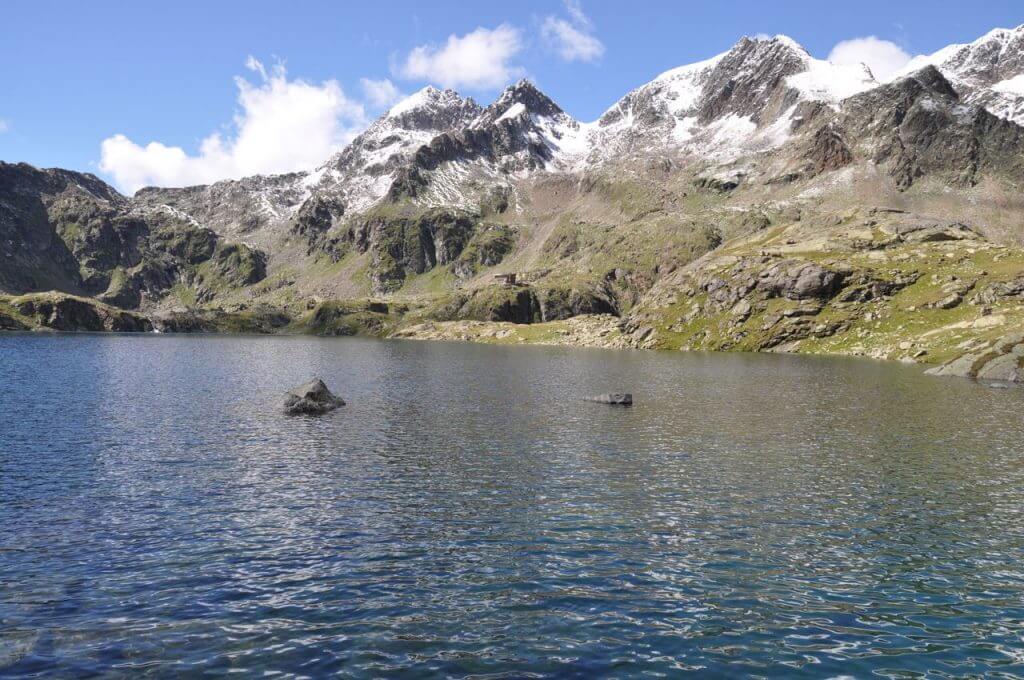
(743,100)
(362,172)
(988,71)
(832,83)
(439,148)
(542,123)
(259,207)
(522,132)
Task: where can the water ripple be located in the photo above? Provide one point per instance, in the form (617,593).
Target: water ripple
(466,516)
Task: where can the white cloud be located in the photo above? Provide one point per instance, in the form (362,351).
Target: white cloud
(574,39)
(883,57)
(380,93)
(283,126)
(4,126)
(479,59)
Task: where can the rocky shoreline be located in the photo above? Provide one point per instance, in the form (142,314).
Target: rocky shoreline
(989,354)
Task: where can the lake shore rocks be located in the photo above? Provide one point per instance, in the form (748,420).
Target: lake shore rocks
(312,398)
(1001,361)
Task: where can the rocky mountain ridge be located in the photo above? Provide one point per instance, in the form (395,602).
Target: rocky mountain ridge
(407,226)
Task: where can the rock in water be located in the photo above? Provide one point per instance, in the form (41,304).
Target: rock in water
(313,398)
(617,399)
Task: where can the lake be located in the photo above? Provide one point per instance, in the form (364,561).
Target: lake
(466,514)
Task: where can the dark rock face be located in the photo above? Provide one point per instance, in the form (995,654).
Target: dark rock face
(722,185)
(530,304)
(404,246)
(922,127)
(493,303)
(828,151)
(750,80)
(239,264)
(72,233)
(558,302)
(521,307)
(317,216)
(312,398)
(34,253)
(488,246)
(865,288)
(337,318)
(1000,290)
(66,313)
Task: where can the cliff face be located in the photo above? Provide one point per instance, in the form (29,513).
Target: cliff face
(72,233)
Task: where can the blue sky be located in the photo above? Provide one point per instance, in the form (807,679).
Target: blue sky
(74,74)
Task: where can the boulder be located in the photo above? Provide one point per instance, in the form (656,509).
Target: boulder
(312,398)
(616,399)
(801,281)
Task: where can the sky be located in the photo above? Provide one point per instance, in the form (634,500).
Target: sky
(186,92)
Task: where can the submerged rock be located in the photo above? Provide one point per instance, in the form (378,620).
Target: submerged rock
(617,399)
(312,398)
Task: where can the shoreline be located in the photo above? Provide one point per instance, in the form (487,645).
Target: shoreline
(976,335)
(602,332)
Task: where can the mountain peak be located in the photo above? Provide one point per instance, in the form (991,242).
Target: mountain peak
(428,97)
(778,40)
(524,92)
(988,71)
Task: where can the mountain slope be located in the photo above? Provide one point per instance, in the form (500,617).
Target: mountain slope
(71,232)
(261,209)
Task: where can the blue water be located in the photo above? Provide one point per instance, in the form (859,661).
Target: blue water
(467,515)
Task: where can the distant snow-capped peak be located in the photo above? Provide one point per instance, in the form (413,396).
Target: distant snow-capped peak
(988,72)
(740,100)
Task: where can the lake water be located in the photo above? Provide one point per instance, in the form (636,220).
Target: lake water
(467,515)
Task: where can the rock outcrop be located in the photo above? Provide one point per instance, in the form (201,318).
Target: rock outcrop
(59,312)
(1000,361)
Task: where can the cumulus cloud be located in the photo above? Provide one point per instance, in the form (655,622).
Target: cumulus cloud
(480,59)
(883,57)
(380,93)
(574,38)
(283,125)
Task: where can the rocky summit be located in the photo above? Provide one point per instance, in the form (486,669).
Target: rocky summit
(759,200)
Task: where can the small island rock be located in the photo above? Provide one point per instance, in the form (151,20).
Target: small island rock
(617,399)
(312,398)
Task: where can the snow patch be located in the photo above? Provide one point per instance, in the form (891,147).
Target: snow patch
(513,111)
(413,101)
(832,83)
(1014,85)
